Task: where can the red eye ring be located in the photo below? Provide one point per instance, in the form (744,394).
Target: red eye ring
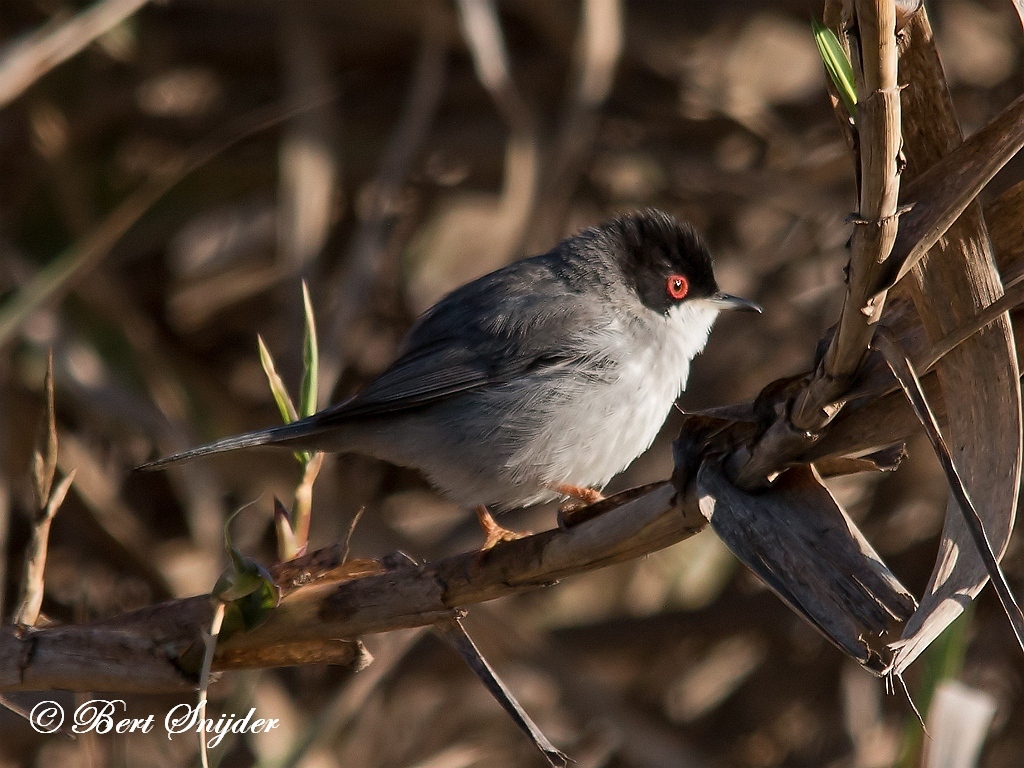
(678,286)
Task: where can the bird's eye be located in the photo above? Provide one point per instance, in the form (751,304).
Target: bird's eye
(678,286)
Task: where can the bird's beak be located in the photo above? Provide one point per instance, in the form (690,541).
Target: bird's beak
(725,301)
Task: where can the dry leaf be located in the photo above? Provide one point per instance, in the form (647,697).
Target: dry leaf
(979,379)
(802,544)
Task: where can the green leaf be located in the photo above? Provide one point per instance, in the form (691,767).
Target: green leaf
(837,64)
(277,388)
(246,588)
(284,401)
(253,609)
(242,578)
(310,358)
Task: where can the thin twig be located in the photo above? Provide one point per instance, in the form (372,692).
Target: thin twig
(210,644)
(351,530)
(455,634)
(1012,298)
(44,461)
(48,500)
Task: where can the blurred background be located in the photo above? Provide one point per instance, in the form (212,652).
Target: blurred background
(387,152)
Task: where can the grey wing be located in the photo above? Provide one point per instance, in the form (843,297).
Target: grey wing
(513,322)
(441,359)
(467,342)
(414,380)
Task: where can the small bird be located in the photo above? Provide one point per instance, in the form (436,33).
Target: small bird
(541,380)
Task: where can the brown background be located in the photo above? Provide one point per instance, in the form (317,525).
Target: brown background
(718,113)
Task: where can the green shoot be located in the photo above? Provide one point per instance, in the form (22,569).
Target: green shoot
(277,387)
(310,359)
(293,531)
(837,64)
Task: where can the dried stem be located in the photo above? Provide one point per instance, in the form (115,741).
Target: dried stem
(878,140)
(35,556)
(876,223)
(456,636)
(210,645)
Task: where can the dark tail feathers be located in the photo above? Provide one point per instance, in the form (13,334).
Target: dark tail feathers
(283,435)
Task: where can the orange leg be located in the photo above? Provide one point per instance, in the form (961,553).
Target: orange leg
(493,531)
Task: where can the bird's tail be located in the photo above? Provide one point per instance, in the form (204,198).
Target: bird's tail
(295,434)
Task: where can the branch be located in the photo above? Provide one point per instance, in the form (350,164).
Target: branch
(329,601)
(159,648)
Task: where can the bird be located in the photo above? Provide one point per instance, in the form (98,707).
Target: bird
(539,381)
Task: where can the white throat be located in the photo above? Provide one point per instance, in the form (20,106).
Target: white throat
(688,326)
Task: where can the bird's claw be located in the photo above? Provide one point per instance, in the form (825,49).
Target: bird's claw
(494,532)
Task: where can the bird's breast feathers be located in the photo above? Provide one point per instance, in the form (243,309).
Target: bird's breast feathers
(593,430)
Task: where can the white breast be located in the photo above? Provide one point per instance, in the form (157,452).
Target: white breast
(608,423)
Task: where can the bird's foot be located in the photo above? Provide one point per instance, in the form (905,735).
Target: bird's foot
(580,497)
(494,532)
